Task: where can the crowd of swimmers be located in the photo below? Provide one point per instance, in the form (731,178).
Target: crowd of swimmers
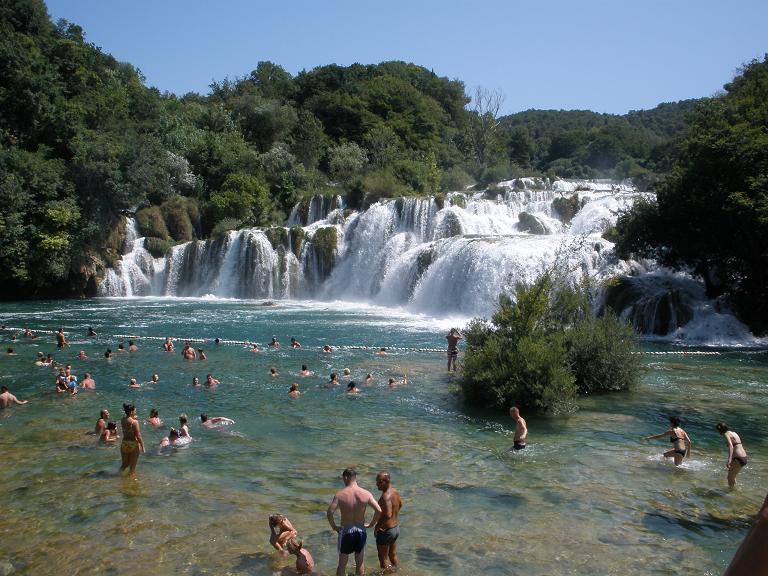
(352,501)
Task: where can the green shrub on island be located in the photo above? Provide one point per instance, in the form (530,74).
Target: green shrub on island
(544,348)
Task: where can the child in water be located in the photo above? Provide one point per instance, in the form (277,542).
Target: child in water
(304,562)
(281,530)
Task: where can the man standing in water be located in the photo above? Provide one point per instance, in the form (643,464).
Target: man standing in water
(521,429)
(388,528)
(453,338)
(6,398)
(352,502)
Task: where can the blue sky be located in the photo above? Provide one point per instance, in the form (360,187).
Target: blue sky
(606,56)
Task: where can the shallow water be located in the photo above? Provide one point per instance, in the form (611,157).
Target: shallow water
(586,497)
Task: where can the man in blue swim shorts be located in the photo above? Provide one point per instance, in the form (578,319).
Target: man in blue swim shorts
(351,501)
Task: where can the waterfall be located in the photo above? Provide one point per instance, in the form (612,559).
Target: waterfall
(452,257)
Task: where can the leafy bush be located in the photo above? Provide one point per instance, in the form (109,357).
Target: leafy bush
(224,226)
(151,223)
(157,246)
(539,351)
(455,180)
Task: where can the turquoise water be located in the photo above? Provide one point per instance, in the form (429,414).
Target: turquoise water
(586,497)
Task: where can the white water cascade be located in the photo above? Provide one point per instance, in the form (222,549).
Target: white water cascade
(450,256)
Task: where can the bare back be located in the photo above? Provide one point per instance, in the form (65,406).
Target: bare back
(352,502)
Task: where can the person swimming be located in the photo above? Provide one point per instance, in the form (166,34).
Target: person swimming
(294,392)
(154,419)
(737,455)
(681,443)
(215,421)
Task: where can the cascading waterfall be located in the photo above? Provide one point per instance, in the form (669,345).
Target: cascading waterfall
(448,258)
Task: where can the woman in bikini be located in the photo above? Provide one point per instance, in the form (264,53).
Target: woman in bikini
(737,456)
(133,444)
(681,443)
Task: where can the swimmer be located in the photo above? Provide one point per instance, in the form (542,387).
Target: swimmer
(346,373)
(82,355)
(183,428)
(154,419)
(155,378)
(170,440)
(188,353)
(132,346)
(387,530)
(195,381)
(133,444)
(681,443)
(215,421)
(201,354)
(49,361)
(737,456)
(304,562)
(40,359)
(280,531)
(294,391)
(255,348)
(382,352)
(352,502)
(61,340)
(327,348)
(274,343)
(121,347)
(88,383)
(352,388)
(217,341)
(305,371)
(211,381)
(134,384)
(334,381)
(453,338)
(521,428)
(6,398)
(108,354)
(91,331)
(168,344)
(273,372)
(109,434)
(29,334)
(295,343)
(368,379)
(10,352)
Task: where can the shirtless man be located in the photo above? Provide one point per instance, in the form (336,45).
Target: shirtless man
(61,340)
(352,388)
(215,421)
(334,381)
(521,429)
(211,381)
(388,528)
(188,353)
(132,346)
(295,343)
(453,338)
(294,391)
(352,502)
(274,343)
(6,398)
(305,372)
(168,344)
(88,383)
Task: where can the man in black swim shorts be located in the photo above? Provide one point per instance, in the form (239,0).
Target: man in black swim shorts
(388,528)
(521,428)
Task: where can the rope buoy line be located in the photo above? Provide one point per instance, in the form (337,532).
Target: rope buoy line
(393,348)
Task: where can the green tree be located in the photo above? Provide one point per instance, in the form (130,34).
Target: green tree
(242,197)
(346,160)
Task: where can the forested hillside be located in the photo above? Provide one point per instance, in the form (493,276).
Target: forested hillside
(83,140)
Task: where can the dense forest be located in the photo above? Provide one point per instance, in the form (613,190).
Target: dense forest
(83,140)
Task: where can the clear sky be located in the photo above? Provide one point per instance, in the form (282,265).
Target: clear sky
(601,55)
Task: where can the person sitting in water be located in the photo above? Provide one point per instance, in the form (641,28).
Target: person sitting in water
(215,421)
(170,440)
(273,372)
(201,354)
(134,384)
(82,355)
(352,388)
(132,346)
(294,391)
(304,562)
(327,348)
(274,343)
(154,419)
(295,343)
(168,344)
(280,531)
(6,398)
(211,381)
(737,456)
(681,443)
(88,383)
(109,435)
(305,371)
(183,428)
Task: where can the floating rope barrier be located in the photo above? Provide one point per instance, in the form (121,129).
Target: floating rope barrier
(384,348)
